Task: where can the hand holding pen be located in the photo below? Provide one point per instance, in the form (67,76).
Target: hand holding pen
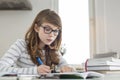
(42,69)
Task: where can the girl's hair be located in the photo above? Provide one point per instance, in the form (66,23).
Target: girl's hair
(33,41)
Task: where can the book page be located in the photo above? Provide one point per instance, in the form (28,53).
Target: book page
(77,75)
(94,74)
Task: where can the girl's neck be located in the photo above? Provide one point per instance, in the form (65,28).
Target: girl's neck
(42,46)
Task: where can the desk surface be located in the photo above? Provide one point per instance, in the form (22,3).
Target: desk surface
(107,77)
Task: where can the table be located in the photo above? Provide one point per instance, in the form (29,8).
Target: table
(106,77)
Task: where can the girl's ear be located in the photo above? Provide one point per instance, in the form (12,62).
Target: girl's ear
(36,28)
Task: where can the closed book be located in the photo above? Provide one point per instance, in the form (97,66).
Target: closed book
(109,71)
(98,68)
(112,59)
(102,63)
(107,54)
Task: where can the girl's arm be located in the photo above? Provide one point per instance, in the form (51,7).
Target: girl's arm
(10,58)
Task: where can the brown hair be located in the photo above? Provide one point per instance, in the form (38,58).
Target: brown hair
(32,39)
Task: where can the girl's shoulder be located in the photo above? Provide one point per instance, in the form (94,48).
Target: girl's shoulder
(21,42)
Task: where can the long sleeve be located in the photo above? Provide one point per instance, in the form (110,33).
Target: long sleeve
(17,60)
(62,61)
(30,70)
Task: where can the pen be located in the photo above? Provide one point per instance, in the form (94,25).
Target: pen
(39,60)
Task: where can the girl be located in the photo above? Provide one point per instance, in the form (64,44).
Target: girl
(42,41)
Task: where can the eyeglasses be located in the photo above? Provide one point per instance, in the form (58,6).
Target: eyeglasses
(48,30)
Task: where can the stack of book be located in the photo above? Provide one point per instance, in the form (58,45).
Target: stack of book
(104,65)
(107,54)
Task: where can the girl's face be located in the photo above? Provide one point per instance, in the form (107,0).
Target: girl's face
(47,33)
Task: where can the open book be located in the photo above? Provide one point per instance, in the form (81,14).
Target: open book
(66,75)
(76,75)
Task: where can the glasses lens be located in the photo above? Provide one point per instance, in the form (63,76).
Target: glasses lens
(56,31)
(47,30)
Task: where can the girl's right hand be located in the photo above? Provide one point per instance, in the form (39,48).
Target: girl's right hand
(43,69)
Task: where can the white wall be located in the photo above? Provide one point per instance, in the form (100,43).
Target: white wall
(107,25)
(14,24)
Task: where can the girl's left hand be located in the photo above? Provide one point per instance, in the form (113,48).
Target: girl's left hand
(67,69)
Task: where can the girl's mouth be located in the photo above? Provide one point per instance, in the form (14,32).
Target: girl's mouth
(49,40)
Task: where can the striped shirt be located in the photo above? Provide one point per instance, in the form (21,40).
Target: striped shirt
(17,60)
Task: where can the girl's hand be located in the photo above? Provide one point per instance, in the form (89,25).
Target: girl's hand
(43,69)
(67,69)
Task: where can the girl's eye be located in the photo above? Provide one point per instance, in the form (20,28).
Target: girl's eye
(48,29)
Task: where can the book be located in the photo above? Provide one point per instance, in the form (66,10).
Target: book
(109,71)
(98,68)
(112,59)
(66,75)
(107,54)
(76,75)
(102,63)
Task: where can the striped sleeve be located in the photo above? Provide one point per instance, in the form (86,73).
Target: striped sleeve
(10,58)
(12,55)
(30,70)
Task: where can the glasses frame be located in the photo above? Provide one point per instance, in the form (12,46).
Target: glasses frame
(56,32)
